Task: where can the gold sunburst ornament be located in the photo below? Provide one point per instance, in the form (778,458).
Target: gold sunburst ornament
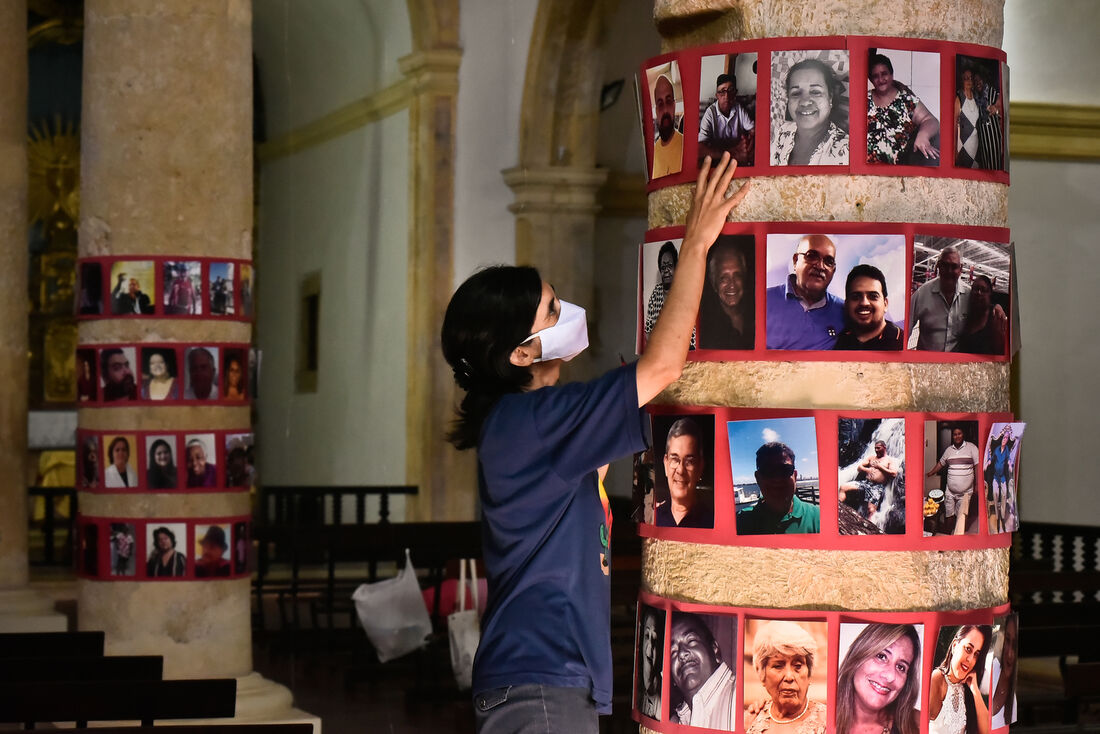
(53,196)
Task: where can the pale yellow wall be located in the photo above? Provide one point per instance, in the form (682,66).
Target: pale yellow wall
(340,208)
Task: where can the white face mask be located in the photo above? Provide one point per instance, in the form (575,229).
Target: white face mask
(565,339)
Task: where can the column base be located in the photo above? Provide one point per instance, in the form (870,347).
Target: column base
(26,610)
(263,700)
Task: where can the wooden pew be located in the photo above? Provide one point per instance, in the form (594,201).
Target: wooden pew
(117,667)
(111,700)
(50,644)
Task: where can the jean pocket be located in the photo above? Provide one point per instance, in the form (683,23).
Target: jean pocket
(489,700)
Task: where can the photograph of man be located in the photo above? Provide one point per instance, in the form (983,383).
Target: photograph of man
(956,506)
(164,559)
(668,142)
(871,476)
(865,304)
(726,308)
(91,289)
(202,374)
(127,297)
(85,376)
(119,472)
(727,124)
(182,288)
(221,289)
(790,660)
(122,549)
(118,379)
(700,660)
(212,545)
(979,113)
(651,650)
(199,453)
(238,473)
(774,498)
(801,313)
(682,501)
(129,281)
(1002,452)
(937,309)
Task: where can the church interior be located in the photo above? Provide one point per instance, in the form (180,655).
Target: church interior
(287,193)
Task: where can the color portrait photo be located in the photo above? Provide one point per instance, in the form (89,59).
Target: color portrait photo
(871,477)
(903,107)
(684,481)
(667,111)
(775,477)
(786,665)
(727,107)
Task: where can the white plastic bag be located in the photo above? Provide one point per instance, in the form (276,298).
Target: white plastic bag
(464,628)
(393,613)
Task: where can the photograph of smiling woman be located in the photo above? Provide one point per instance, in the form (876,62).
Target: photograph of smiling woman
(878,683)
(809,108)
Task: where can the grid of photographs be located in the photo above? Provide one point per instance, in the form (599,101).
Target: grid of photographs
(167,549)
(165,373)
(744,670)
(828,478)
(164,287)
(839,104)
(821,290)
(165,461)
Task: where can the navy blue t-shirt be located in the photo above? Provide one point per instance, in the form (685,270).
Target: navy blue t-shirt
(543,531)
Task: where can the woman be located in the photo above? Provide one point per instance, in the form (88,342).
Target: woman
(1003,701)
(1000,461)
(808,136)
(666,266)
(986,324)
(878,688)
(165,560)
(85,381)
(160,472)
(990,126)
(160,384)
(967,112)
(955,703)
(898,123)
(505,334)
(783,657)
(234,383)
(119,473)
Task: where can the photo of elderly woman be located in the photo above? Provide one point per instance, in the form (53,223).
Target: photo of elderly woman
(199,455)
(702,649)
(164,557)
(160,469)
(684,491)
(658,265)
(878,682)
(979,114)
(955,701)
(120,470)
(871,481)
(903,89)
(790,661)
(649,660)
(1001,454)
(727,313)
(809,110)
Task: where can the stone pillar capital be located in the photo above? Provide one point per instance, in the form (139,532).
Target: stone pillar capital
(550,189)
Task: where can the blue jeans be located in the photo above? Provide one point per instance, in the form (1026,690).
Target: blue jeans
(535,709)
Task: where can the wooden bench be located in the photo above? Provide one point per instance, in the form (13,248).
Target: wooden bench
(50,644)
(31,702)
(77,668)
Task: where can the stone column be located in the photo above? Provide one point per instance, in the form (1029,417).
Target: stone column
(21,610)
(167,170)
(821,579)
